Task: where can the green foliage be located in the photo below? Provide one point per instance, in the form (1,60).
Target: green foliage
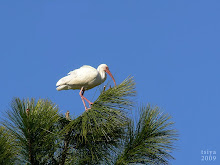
(151,141)
(37,134)
(8,153)
(33,124)
(118,97)
(97,133)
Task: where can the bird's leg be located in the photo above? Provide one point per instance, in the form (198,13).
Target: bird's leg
(90,103)
(82,97)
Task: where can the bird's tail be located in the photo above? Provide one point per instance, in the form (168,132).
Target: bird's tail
(62,84)
(62,87)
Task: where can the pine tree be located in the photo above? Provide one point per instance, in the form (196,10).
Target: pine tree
(8,150)
(105,134)
(150,141)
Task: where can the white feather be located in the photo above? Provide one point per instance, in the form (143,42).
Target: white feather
(86,76)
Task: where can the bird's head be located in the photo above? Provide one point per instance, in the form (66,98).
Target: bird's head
(105,68)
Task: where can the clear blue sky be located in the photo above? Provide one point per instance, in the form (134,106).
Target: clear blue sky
(170,47)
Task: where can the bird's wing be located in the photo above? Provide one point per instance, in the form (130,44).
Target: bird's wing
(83,75)
(84,66)
(64,81)
(72,72)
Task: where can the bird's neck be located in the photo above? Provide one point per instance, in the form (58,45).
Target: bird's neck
(102,75)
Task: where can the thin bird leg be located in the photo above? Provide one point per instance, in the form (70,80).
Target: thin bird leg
(90,103)
(82,97)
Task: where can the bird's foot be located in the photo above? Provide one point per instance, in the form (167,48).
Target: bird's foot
(86,109)
(90,104)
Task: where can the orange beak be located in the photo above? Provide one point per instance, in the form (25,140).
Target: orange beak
(107,71)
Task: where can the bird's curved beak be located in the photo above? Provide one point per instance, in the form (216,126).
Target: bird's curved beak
(110,74)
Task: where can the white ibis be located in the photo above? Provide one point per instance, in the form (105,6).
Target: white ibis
(84,78)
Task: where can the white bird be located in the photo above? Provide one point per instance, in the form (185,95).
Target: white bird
(84,78)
